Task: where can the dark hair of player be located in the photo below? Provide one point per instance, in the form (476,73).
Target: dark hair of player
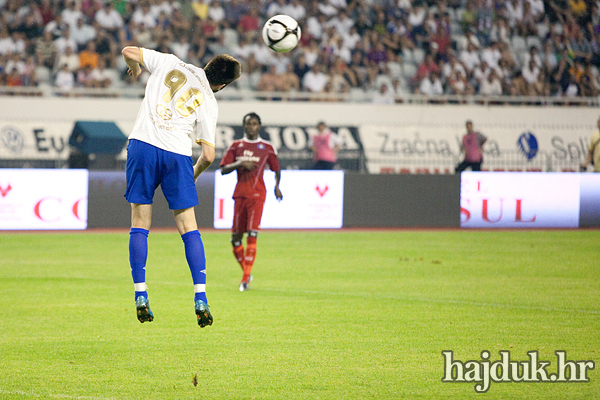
(251,115)
(222,69)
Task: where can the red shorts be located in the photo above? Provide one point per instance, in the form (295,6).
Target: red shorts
(247,213)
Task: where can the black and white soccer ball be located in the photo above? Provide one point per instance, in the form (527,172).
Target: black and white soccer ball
(281,33)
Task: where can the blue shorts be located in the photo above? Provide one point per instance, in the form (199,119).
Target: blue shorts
(148,166)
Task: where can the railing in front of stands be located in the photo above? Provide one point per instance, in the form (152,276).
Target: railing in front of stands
(352,97)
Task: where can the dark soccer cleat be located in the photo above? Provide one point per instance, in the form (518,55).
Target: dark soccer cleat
(203,314)
(144,313)
(244,284)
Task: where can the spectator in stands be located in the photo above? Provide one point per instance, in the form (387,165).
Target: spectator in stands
(108,18)
(142,15)
(470,58)
(288,80)
(106,48)
(581,47)
(431,85)
(491,86)
(29,74)
(82,34)
(65,41)
(269,81)
(70,59)
(100,77)
(83,78)
(71,14)
(560,78)
(295,9)
(530,73)
(89,56)
(314,81)
(64,81)
(45,50)
(587,82)
(459,85)
(384,95)
(200,9)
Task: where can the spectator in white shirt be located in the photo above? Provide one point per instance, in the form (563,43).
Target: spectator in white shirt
(470,58)
(69,58)
(275,8)
(296,10)
(491,55)
(315,80)
(65,41)
(341,23)
(216,12)
(71,14)
(82,33)
(327,8)
(65,80)
(530,72)
(109,18)
(142,15)
(431,85)
(491,86)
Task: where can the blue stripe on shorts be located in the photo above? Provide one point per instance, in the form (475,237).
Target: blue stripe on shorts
(148,167)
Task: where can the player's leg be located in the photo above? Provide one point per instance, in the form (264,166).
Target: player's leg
(476,166)
(141,216)
(141,184)
(461,167)
(237,231)
(179,189)
(254,209)
(238,248)
(196,259)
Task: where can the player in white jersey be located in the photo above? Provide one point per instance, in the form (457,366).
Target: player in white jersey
(179,107)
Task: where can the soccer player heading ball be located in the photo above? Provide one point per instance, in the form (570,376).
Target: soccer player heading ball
(249,157)
(179,104)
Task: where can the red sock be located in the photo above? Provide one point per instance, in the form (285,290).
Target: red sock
(238,252)
(250,256)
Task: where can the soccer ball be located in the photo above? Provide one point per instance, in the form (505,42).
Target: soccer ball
(281,33)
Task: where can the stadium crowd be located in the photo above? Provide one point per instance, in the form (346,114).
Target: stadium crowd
(385,47)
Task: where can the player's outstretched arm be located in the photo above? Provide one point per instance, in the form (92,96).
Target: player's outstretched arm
(132,56)
(246,164)
(205,159)
(278,194)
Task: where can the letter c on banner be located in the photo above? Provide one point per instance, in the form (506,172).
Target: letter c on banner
(38,205)
(75,209)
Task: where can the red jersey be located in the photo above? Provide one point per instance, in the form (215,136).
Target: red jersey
(251,183)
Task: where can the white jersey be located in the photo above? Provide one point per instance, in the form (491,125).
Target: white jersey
(178,107)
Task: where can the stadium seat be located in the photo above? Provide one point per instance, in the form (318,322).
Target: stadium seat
(418,55)
(518,44)
(542,30)
(409,70)
(557,28)
(407,56)
(533,41)
(43,74)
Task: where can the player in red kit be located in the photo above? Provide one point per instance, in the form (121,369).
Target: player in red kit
(249,157)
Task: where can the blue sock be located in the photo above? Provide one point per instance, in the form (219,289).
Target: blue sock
(194,253)
(138,253)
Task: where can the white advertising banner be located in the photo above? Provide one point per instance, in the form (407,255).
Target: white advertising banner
(514,200)
(43,199)
(311,199)
(431,147)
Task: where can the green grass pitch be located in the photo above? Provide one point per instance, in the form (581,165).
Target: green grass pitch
(330,315)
